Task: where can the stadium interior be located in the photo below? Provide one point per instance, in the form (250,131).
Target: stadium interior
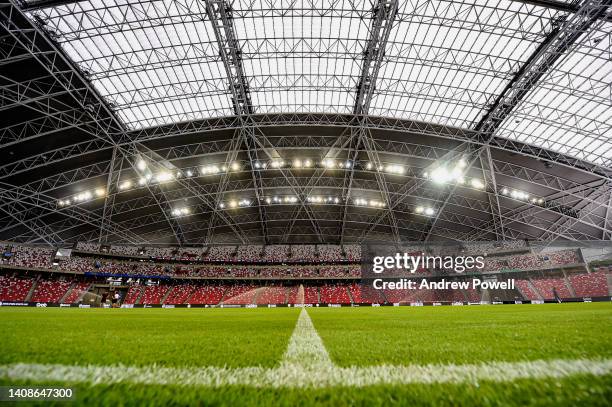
(189,127)
(248,154)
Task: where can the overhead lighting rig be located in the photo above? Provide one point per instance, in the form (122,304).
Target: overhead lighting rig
(424,210)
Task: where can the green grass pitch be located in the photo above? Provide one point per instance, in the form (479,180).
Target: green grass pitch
(240,338)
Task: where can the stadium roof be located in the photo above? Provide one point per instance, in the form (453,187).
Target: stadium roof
(387,92)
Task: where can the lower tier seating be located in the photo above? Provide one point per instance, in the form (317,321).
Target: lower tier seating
(14,289)
(43,288)
(50,291)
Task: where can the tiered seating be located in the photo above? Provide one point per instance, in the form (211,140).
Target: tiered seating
(88,247)
(76,291)
(132,295)
(303,253)
(154,294)
(330,253)
(366,294)
(564,257)
(394,296)
(272,295)
(311,295)
(448,296)
(353,252)
(532,261)
(240,294)
(335,294)
(220,253)
(14,289)
(303,295)
(545,287)
(179,294)
(34,257)
(472,295)
(493,246)
(207,294)
(276,253)
(407,296)
(526,290)
(590,285)
(50,291)
(249,253)
(125,250)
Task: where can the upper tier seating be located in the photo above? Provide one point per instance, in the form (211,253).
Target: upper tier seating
(31,257)
(330,253)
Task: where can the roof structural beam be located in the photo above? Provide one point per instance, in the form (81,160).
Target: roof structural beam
(189,184)
(555,5)
(607,233)
(232,153)
(488,169)
(19,195)
(248,137)
(599,198)
(29,35)
(562,36)
(40,4)
(383,16)
(220,15)
(116,165)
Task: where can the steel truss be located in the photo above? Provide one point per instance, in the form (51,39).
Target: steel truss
(31,205)
(462,209)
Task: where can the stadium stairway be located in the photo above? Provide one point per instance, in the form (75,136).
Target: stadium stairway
(569,286)
(534,288)
(225,291)
(83,293)
(140,295)
(28,297)
(609,278)
(63,297)
(166,294)
(191,294)
(350,295)
(258,294)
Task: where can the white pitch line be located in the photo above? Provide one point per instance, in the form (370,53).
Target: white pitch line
(306,363)
(281,378)
(305,348)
